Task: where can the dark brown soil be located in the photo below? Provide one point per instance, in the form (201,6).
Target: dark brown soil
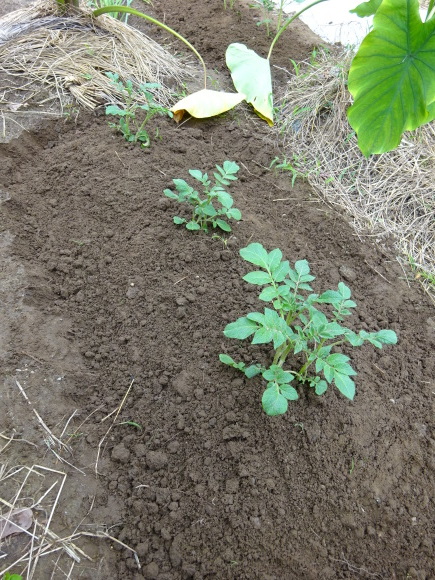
(99,287)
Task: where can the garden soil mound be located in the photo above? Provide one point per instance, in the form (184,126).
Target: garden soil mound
(102,292)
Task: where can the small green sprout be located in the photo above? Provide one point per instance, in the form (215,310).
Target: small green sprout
(131,424)
(267,7)
(133,130)
(296,327)
(296,167)
(204,212)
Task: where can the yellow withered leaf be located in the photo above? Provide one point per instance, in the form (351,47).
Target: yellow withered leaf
(206,103)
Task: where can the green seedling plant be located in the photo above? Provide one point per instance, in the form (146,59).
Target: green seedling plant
(294,166)
(297,328)
(133,130)
(204,212)
(267,8)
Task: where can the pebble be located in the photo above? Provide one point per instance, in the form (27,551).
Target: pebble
(348,273)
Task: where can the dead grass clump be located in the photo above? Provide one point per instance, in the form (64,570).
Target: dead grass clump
(392,194)
(69,55)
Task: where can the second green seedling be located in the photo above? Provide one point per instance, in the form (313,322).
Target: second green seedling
(205,213)
(133,130)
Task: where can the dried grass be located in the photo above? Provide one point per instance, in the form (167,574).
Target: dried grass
(70,55)
(387,195)
(17,487)
(38,490)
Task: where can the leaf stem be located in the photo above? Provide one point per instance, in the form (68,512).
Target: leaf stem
(288,22)
(127,10)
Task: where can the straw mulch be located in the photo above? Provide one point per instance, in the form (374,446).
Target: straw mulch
(392,194)
(70,54)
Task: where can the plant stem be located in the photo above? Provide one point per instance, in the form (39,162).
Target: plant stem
(63,4)
(288,22)
(127,10)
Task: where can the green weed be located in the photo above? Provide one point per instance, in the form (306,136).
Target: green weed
(296,167)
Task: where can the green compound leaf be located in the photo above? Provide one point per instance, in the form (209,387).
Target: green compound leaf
(206,209)
(170,193)
(268,294)
(353,338)
(227,360)
(193,226)
(114,110)
(179,221)
(252,371)
(344,290)
(255,254)
(379,338)
(241,328)
(275,328)
(274,259)
(225,199)
(331,330)
(278,374)
(240,366)
(392,77)
(345,385)
(321,387)
(273,402)
(333,365)
(223,225)
(289,392)
(258,278)
(184,189)
(329,297)
(197,174)
(234,214)
(229,169)
(263,336)
(387,336)
(281,271)
(302,267)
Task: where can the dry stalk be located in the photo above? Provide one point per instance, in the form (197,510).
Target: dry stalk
(116,411)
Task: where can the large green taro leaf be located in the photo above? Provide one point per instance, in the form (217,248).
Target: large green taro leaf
(392,77)
(251,77)
(366,8)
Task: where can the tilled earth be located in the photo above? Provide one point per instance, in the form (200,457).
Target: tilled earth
(106,302)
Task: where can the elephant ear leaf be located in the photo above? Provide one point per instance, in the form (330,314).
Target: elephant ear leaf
(392,77)
(251,76)
(366,8)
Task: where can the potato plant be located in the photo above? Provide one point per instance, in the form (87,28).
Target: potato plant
(132,129)
(204,211)
(297,328)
